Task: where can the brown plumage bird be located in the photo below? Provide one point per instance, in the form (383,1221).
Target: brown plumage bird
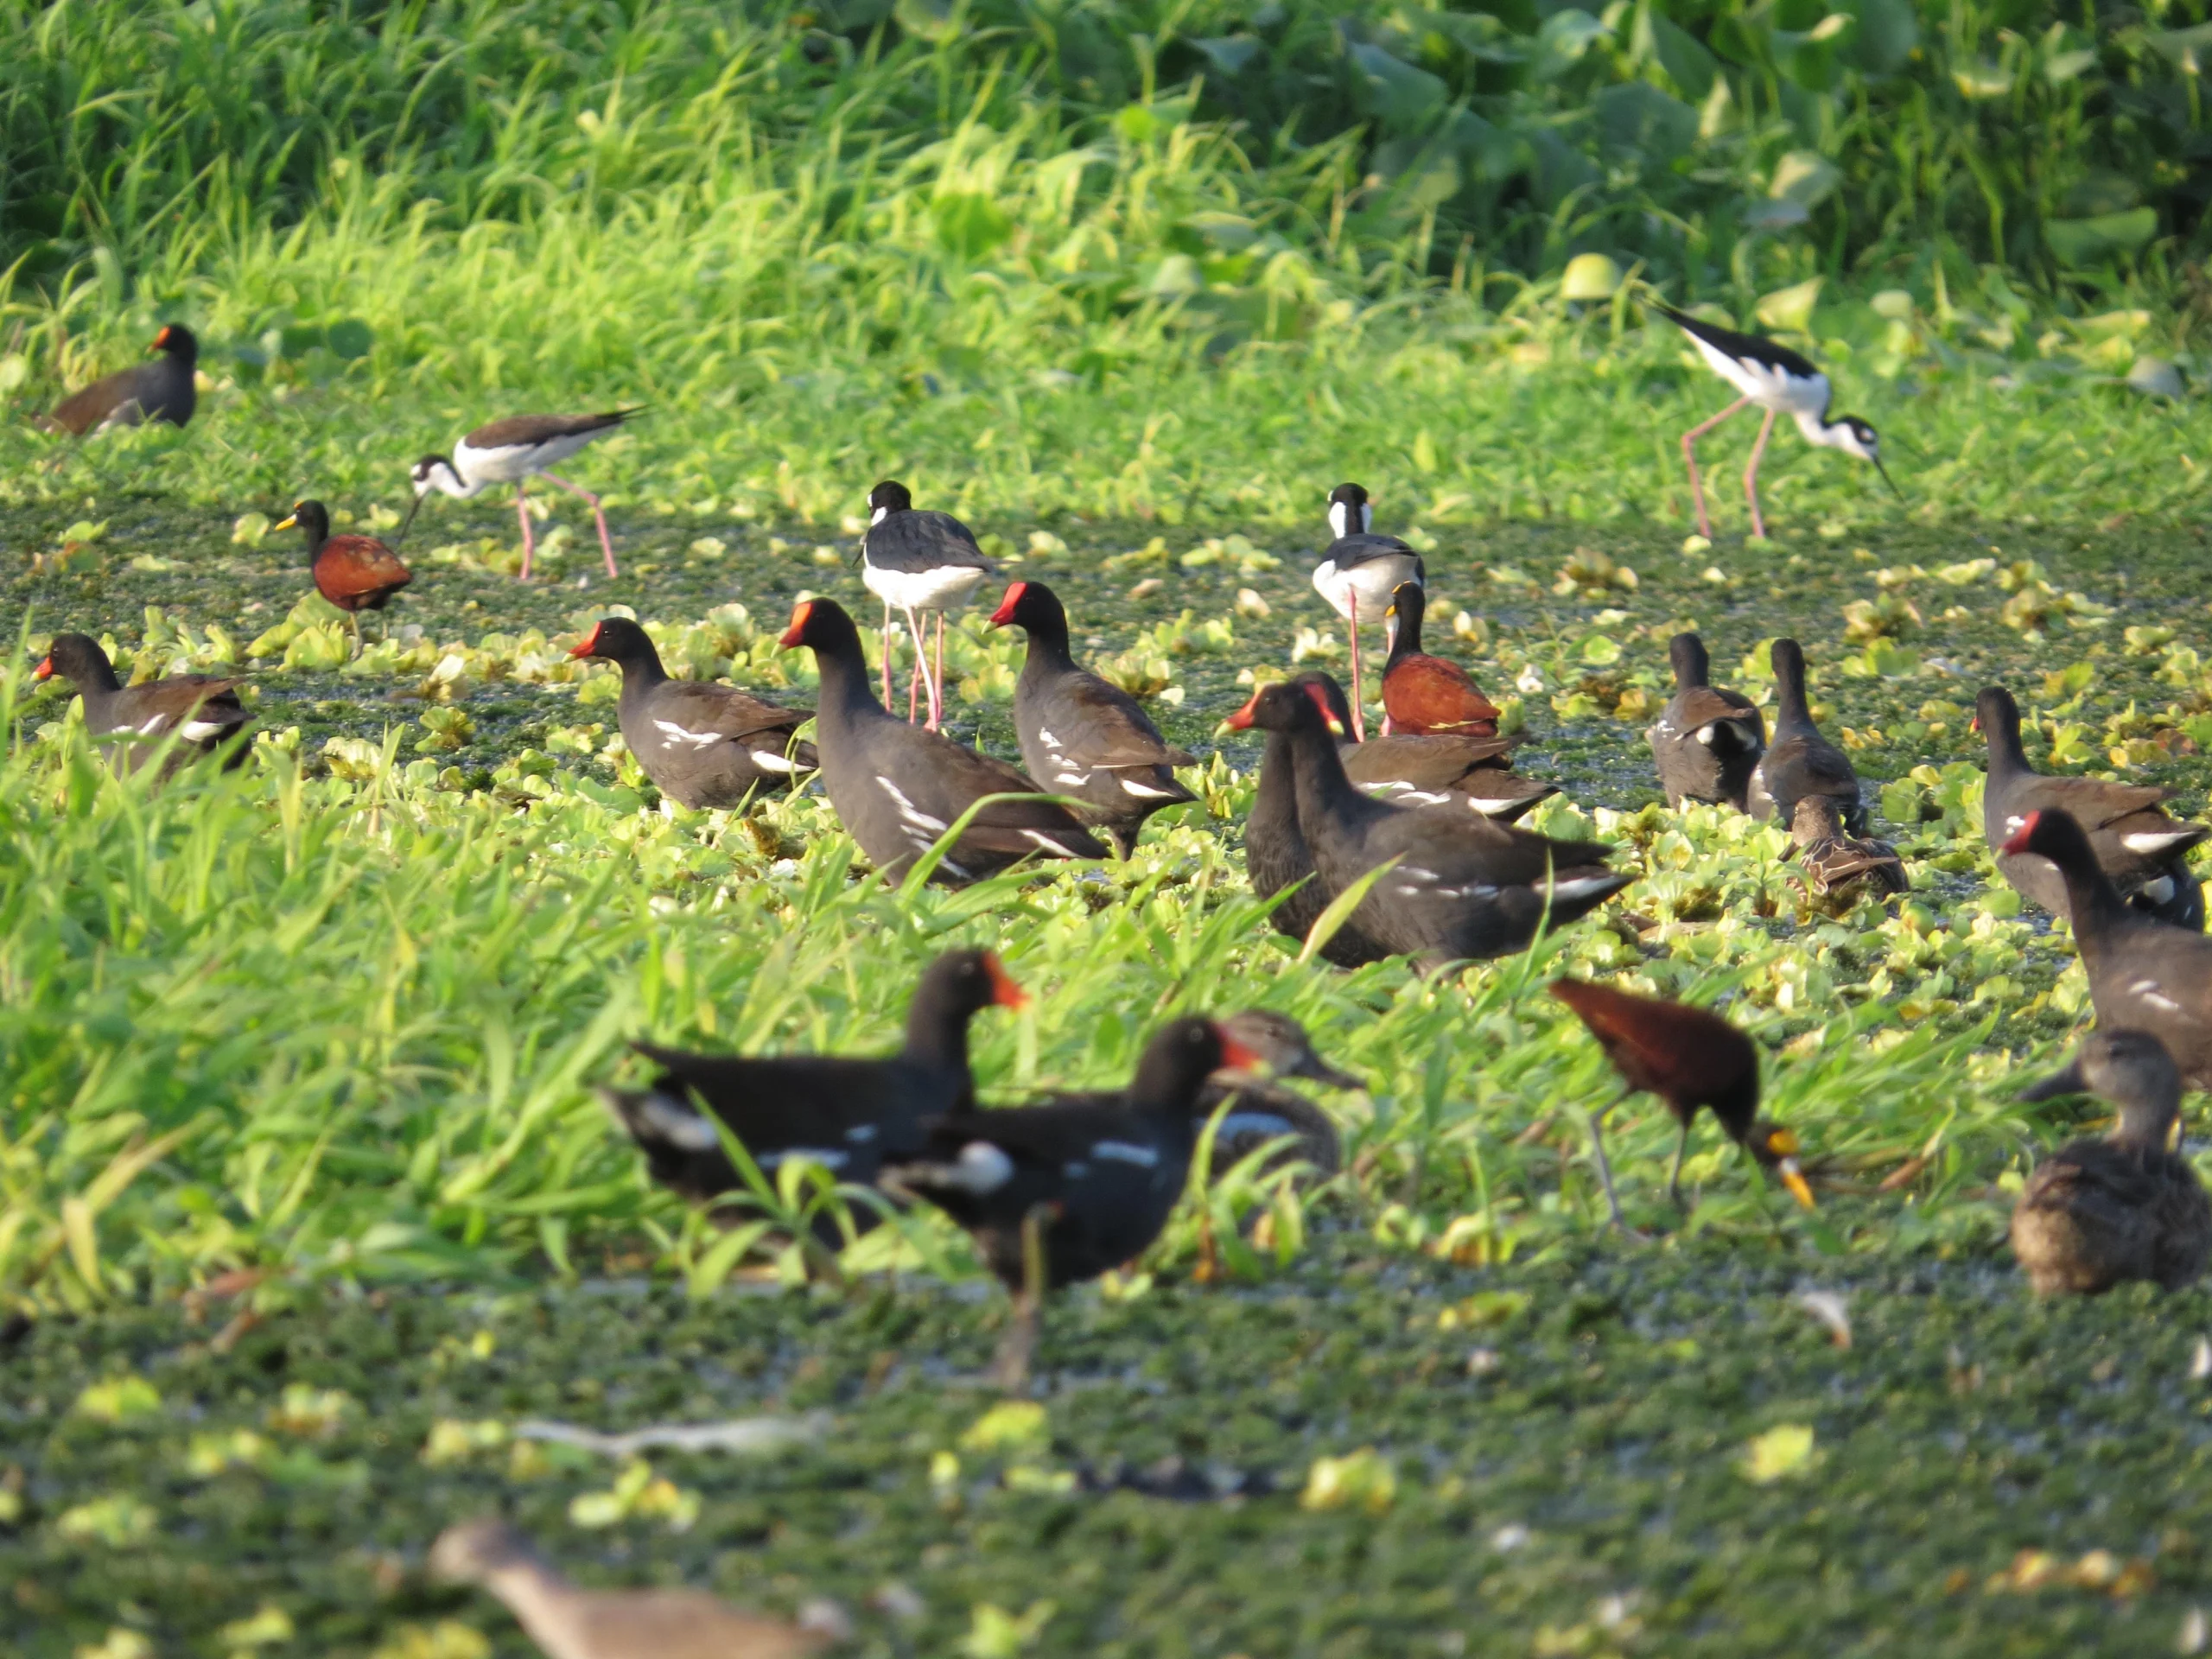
(164,390)
(1260,1109)
(1422,693)
(354,573)
(1689,1058)
(2100,1210)
(569,1622)
(198,711)
(1836,865)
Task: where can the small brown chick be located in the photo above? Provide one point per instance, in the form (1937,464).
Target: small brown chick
(567,1623)
(1260,1109)
(1837,866)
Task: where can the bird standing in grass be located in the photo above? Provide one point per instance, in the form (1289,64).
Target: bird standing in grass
(354,573)
(200,712)
(567,1622)
(917,563)
(1689,1058)
(166,390)
(1780,382)
(2099,1212)
(510,452)
(1361,569)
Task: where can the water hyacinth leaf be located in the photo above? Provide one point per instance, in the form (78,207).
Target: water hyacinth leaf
(1887,33)
(1481,35)
(1589,276)
(1564,38)
(1778,1454)
(2186,50)
(1658,38)
(1978,79)
(1790,308)
(1640,120)
(1805,176)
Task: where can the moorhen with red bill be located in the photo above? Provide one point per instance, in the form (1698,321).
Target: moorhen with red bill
(164,390)
(1435,769)
(2119,1206)
(1459,887)
(1056,1194)
(2144,852)
(198,712)
(354,573)
(1799,762)
(1081,736)
(1707,741)
(2144,975)
(703,744)
(1425,693)
(850,1116)
(1689,1058)
(898,788)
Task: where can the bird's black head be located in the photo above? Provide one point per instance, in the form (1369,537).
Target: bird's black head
(888,497)
(617,639)
(1692,666)
(1181,1055)
(177,341)
(1285,706)
(310,517)
(1408,601)
(821,624)
(967,982)
(78,659)
(1997,716)
(2055,835)
(1033,605)
(1350,512)
(2133,1070)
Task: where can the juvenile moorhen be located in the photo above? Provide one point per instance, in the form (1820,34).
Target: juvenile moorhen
(164,390)
(919,562)
(897,788)
(2144,852)
(1689,1058)
(1260,1109)
(1799,762)
(2121,1206)
(847,1114)
(198,711)
(1435,769)
(569,1622)
(1834,866)
(1056,1194)
(1460,887)
(2144,975)
(1081,736)
(1276,857)
(513,451)
(1421,693)
(354,573)
(703,744)
(1362,569)
(1707,741)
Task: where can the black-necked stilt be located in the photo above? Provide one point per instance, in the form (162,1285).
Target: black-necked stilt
(354,573)
(1781,383)
(1362,569)
(163,390)
(510,452)
(917,563)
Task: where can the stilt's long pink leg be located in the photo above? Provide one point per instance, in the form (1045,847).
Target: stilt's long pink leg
(1689,459)
(528,542)
(1752,475)
(605,544)
(1358,718)
(914,680)
(887,655)
(937,679)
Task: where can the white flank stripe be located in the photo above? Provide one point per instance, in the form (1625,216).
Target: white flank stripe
(201,730)
(820,1155)
(2150,841)
(677,734)
(155,727)
(1144,791)
(674,1122)
(1127,1152)
(768,761)
(1588,883)
(913,814)
(1048,843)
(1238,1124)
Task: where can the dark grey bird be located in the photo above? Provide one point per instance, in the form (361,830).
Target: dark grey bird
(164,390)
(1799,762)
(1707,741)
(197,712)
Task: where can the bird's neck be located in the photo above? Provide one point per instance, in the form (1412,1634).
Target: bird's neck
(1818,429)
(641,673)
(1404,643)
(1790,711)
(543,1604)
(845,695)
(937,1036)
(2093,904)
(2006,755)
(2144,1126)
(1321,780)
(1048,646)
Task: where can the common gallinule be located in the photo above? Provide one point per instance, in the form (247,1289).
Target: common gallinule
(1260,1109)
(1780,382)
(164,390)
(897,788)
(2144,852)
(197,710)
(1707,741)
(354,573)
(848,1115)
(1689,1058)
(1434,769)
(1081,736)
(919,563)
(2144,975)
(1361,570)
(2119,1206)
(1276,857)
(1459,887)
(1833,865)
(1421,693)
(702,743)
(569,1622)
(1799,762)
(513,451)
(1056,1194)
